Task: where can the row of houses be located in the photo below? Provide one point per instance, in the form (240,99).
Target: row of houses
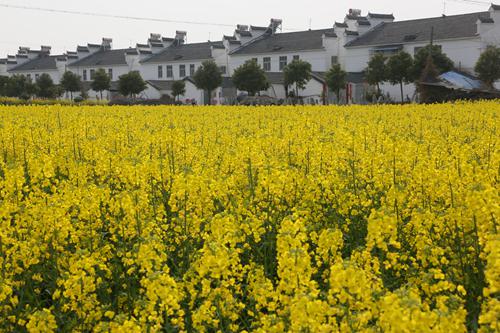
(350,43)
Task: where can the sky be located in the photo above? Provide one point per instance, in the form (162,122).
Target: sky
(22,27)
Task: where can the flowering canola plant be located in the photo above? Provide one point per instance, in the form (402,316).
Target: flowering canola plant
(236,219)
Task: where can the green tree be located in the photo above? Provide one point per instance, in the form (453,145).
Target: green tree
(71,83)
(399,69)
(297,72)
(4,80)
(20,86)
(440,60)
(208,77)
(46,87)
(250,77)
(101,81)
(488,65)
(178,89)
(131,84)
(336,79)
(376,72)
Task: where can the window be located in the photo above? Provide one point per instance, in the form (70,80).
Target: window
(267,64)
(29,77)
(37,76)
(182,70)
(170,71)
(296,57)
(223,69)
(335,60)
(160,72)
(84,75)
(92,74)
(256,60)
(283,62)
(191,69)
(110,73)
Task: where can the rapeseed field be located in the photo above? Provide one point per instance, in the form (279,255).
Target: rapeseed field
(250,219)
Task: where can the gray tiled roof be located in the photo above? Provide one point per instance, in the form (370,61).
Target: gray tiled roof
(103,58)
(194,51)
(381,16)
(38,64)
(446,27)
(286,42)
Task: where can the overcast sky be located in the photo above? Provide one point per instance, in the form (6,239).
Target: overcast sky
(21,27)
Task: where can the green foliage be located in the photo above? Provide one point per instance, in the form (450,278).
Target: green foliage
(297,73)
(21,87)
(46,87)
(399,70)
(71,83)
(376,72)
(488,65)
(178,88)
(131,84)
(250,77)
(101,81)
(208,77)
(4,80)
(336,79)
(440,60)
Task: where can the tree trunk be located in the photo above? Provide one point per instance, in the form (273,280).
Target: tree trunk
(402,95)
(101,94)
(209,97)
(71,95)
(378,89)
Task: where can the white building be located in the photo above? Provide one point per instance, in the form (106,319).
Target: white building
(162,61)
(461,37)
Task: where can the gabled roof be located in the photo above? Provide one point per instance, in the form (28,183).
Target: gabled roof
(103,58)
(446,27)
(194,51)
(286,42)
(39,64)
(486,20)
(244,33)
(253,27)
(381,16)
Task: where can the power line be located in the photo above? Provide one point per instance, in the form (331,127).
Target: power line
(135,18)
(472,2)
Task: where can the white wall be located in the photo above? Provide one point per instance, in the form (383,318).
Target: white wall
(118,70)
(318,59)
(149,71)
(54,74)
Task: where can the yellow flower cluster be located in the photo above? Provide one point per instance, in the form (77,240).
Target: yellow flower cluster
(236,219)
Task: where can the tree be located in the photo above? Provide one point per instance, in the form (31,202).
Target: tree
(4,80)
(250,77)
(101,81)
(46,87)
(297,72)
(440,60)
(20,86)
(376,72)
(336,79)
(488,66)
(399,69)
(208,77)
(178,89)
(71,83)
(131,84)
